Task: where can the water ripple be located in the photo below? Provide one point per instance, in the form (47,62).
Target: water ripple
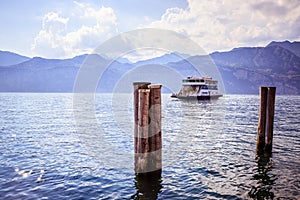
(208,150)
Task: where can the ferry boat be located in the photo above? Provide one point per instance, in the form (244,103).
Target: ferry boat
(204,88)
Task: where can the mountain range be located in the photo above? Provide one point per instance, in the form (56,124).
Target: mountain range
(9,58)
(243,70)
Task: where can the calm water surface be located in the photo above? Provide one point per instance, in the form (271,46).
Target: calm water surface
(55,147)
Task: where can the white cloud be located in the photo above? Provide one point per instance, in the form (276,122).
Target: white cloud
(213,24)
(93,26)
(222,25)
(50,37)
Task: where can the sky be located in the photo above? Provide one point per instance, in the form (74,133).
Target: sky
(64,29)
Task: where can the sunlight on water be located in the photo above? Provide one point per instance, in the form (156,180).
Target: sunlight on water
(53,148)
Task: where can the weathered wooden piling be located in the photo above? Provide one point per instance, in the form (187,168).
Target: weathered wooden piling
(143,121)
(260,142)
(155,139)
(136,87)
(266,120)
(270,118)
(147,130)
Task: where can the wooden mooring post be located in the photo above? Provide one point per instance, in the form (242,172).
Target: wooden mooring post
(136,87)
(147,127)
(266,120)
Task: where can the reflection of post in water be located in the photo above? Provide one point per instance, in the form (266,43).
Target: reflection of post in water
(264,179)
(148,185)
(147,139)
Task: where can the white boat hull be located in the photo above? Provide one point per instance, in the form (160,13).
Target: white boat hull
(197,97)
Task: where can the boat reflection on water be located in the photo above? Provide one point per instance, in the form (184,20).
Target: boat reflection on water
(265,179)
(148,185)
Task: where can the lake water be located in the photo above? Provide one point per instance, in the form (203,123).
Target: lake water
(61,146)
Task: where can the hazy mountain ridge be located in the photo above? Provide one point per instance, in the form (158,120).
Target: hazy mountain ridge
(164,59)
(8,58)
(57,75)
(243,70)
(291,46)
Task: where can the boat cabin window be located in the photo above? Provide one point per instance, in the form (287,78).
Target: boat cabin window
(212,87)
(192,80)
